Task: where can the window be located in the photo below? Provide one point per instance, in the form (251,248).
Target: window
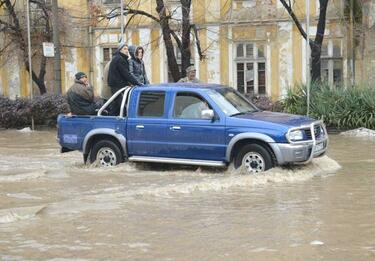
(244,3)
(189,106)
(251,68)
(230,102)
(108,52)
(151,104)
(331,62)
(111,2)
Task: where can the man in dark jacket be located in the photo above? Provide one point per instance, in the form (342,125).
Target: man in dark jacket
(119,75)
(81,96)
(136,64)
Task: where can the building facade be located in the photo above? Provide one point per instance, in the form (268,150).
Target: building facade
(251,45)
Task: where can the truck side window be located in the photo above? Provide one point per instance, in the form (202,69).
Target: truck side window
(151,104)
(189,106)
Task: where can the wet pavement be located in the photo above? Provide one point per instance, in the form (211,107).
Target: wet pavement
(52,207)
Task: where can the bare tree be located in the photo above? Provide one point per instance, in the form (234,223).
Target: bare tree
(12,25)
(180,34)
(316,44)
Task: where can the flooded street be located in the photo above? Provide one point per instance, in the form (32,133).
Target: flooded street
(52,207)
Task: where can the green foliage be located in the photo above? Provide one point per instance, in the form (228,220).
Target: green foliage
(352,107)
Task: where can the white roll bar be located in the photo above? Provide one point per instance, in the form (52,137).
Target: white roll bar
(124,90)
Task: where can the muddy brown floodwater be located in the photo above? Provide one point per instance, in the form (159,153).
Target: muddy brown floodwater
(52,207)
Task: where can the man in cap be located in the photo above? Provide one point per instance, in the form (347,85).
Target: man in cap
(81,96)
(190,75)
(119,75)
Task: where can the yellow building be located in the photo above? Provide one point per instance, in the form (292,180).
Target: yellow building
(252,45)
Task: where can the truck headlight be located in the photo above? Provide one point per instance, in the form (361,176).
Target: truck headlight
(295,135)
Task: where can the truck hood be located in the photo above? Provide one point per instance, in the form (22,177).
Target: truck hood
(286,119)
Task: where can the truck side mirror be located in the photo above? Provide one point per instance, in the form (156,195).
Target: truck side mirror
(207,114)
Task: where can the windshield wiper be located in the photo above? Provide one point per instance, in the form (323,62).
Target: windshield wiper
(240,113)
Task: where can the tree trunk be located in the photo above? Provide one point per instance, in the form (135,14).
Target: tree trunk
(171,57)
(186,27)
(39,81)
(316,46)
(315,62)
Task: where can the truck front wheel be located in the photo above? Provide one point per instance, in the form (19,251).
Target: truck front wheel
(254,158)
(106,152)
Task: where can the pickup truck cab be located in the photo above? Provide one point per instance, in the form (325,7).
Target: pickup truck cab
(194,124)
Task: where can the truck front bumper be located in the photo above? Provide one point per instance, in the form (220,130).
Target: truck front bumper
(298,153)
(303,151)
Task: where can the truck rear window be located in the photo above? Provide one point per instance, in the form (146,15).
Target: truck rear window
(151,104)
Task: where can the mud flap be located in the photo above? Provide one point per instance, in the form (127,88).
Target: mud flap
(85,156)
(63,150)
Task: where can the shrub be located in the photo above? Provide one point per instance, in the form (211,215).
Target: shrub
(264,103)
(17,113)
(352,107)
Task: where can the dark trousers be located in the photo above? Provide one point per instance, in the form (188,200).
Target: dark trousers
(115,106)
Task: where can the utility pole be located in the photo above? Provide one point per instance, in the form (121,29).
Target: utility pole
(352,39)
(308,54)
(56,43)
(29,51)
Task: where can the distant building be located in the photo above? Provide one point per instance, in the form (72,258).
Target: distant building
(252,45)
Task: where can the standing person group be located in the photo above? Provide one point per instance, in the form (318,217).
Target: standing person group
(120,75)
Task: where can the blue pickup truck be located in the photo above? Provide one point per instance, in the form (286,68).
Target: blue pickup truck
(193,124)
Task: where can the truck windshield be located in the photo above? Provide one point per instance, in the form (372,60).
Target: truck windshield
(231,102)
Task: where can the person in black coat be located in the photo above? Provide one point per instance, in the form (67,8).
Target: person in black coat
(119,75)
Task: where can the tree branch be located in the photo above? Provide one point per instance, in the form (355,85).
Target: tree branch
(197,42)
(294,17)
(110,16)
(178,41)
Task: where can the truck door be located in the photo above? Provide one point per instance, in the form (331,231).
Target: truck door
(190,135)
(147,126)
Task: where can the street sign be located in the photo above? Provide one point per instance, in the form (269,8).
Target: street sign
(48,49)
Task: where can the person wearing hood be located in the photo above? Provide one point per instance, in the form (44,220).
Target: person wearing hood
(136,64)
(119,75)
(81,96)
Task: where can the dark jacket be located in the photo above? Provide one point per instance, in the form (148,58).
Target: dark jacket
(118,74)
(81,99)
(137,66)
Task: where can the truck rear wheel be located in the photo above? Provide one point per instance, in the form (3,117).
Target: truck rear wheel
(254,158)
(106,152)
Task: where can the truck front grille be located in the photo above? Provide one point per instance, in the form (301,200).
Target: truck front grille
(318,132)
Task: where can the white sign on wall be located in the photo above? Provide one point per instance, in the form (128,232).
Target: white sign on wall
(48,49)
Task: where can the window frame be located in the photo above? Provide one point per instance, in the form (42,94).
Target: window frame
(163,115)
(331,58)
(193,94)
(255,60)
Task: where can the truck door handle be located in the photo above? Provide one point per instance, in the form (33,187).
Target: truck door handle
(175,128)
(139,127)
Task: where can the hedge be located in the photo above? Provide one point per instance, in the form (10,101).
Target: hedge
(343,108)
(17,113)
